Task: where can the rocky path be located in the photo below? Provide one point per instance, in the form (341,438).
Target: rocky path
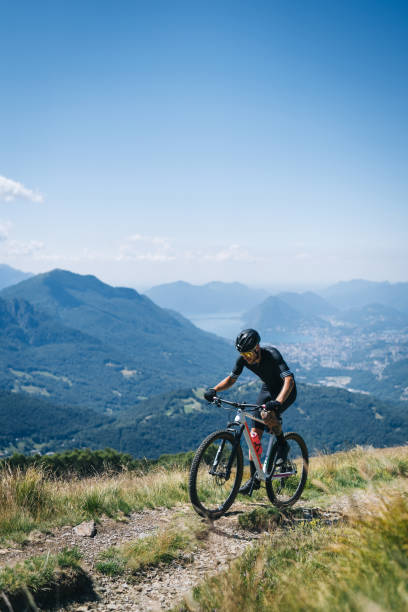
(162,587)
(158,588)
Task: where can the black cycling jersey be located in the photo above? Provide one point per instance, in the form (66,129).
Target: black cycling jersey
(271,369)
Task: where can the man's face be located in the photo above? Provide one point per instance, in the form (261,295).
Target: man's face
(253,356)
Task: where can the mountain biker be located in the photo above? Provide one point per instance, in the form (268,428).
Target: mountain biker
(277,393)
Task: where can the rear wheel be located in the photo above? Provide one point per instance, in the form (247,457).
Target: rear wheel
(287,482)
(216,474)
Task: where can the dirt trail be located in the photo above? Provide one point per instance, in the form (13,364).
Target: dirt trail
(158,588)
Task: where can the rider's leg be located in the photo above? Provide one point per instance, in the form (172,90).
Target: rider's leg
(276,428)
(283,446)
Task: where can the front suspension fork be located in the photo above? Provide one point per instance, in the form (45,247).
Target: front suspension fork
(237,438)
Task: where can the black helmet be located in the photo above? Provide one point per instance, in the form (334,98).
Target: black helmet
(247,340)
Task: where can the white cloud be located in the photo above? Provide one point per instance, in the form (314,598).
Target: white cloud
(146,248)
(159,249)
(9,190)
(234,252)
(16,247)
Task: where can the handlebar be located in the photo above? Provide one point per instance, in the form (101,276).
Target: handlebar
(218,401)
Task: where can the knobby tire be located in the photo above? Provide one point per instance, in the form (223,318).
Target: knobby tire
(275,487)
(207,491)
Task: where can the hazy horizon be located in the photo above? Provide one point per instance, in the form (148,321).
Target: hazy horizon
(278,287)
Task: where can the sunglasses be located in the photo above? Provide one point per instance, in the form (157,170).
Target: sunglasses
(248,354)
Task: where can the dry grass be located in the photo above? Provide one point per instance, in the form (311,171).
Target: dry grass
(29,500)
(356,566)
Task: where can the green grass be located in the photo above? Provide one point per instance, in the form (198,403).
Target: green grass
(36,572)
(159,548)
(355,566)
(111,562)
(359,567)
(259,519)
(356,469)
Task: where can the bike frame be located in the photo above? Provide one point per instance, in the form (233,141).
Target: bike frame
(241,422)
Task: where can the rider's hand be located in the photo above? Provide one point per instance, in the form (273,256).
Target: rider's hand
(272,405)
(270,416)
(210,394)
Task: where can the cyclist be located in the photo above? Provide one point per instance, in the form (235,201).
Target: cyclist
(277,393)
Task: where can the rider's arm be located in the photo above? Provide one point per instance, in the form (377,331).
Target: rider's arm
(286,375)
(225,384)
(231,378)
(288,384)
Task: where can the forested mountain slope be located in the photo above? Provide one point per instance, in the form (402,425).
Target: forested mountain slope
(330,419)
(86,343)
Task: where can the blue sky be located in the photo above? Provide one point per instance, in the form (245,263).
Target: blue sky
(147,142)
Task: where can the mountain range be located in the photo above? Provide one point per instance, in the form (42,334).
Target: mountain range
(235,297)
(82,342)
(209,298)
(83,363)
(358,293)
(281,314)
(340,308)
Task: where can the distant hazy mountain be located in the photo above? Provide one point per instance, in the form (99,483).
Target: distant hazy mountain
(375,317)
(271,314)
(308,303)
(275,316)
(358,293)
(10,276)
(87,343)
(210,298)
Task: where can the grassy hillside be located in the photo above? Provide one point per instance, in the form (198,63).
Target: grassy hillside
(33,498)
(355,562)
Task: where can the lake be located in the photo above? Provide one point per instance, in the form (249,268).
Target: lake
(228,325)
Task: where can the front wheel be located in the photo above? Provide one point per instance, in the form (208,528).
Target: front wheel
(216,474)
(286,484)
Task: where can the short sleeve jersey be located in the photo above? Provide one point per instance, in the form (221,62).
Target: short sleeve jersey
(271,369)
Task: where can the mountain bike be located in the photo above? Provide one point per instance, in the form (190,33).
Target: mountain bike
(217,468)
